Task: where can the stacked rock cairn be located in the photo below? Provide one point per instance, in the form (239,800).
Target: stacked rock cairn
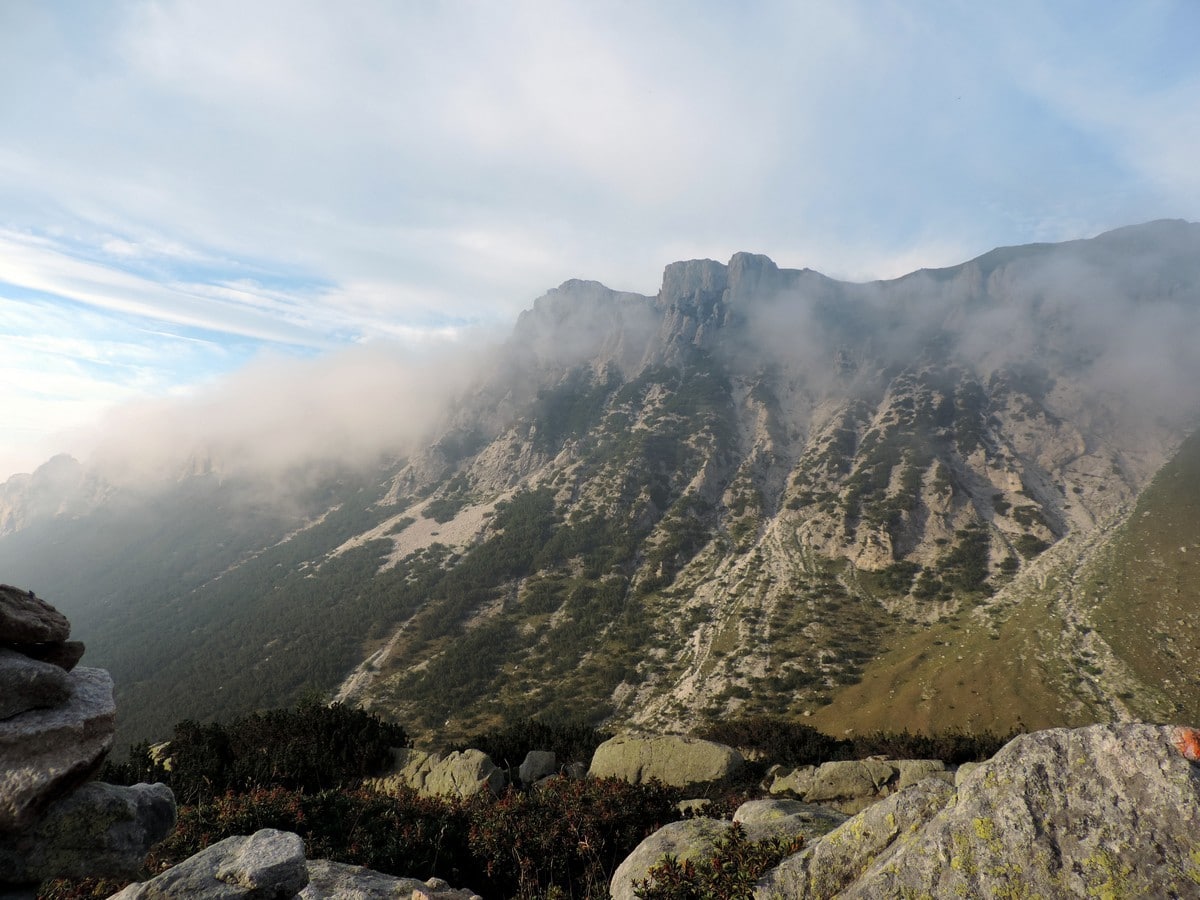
(57,722)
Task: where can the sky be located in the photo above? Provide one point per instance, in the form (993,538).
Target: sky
(194,195)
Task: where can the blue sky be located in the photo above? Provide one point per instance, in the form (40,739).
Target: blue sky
(187,189)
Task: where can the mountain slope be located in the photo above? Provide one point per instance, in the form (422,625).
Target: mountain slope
(760,489)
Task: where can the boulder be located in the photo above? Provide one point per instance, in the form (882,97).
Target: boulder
(27,684)
(460,774)
(913,771)
(856,779)
(27,619)
(99,830)
(537,764)
(465,773)
(1107,810)
(851,785)
(46,753)
(345,882)
(671,759)
(763,819)
(266,865)
(825,866)
(689,839)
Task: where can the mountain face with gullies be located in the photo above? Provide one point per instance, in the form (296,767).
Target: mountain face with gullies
(884,505)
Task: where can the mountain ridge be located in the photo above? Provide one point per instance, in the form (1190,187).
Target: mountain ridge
(732,495)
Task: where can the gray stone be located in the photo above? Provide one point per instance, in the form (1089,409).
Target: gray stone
(763,819)
(689,839)
(64,654)
(46,753)
(1107,810)
(826,866)
(671,759)
(345,882)
(850,780)
(27,684)
(99,830)
(268,864)
(27,619)
(913,771)
(537,764)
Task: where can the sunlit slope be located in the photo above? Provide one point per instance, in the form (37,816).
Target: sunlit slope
(1105,630)
(1146,591)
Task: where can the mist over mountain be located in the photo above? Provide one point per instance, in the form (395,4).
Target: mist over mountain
(758,489)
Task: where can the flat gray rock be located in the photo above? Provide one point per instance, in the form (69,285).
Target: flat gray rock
(27,684)
(345,882)
(46,753)
(27,619)
(267,865)
(99,830)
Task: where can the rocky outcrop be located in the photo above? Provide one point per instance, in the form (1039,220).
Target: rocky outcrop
(337,880)
(46,753)
(851,785)
(671,759)
(56,726)
(27,684)
(462,773)
(1107,810)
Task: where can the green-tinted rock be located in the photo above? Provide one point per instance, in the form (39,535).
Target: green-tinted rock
(671,759)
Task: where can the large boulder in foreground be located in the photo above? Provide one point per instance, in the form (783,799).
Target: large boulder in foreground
(1107,810)
(671,759)
(267,864)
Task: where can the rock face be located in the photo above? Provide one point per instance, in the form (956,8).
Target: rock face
(459,774)
(673,760)
(267,864)
(1107,810)
(99,830)
(27,684)
(45,753)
